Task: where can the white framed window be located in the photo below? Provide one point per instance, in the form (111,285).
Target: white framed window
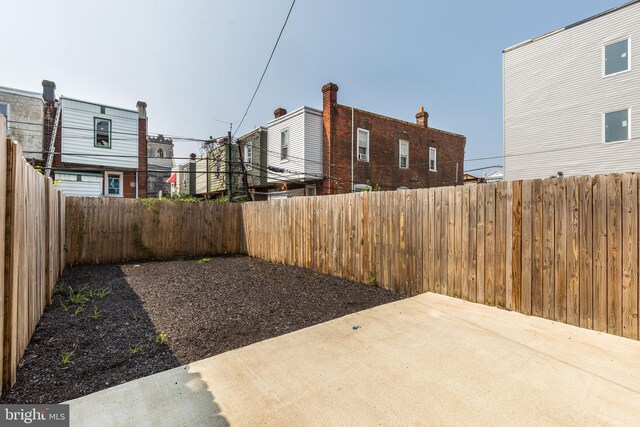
(433,159)
(404,154)
(617,126)
(616,57)
(248,157)
(284,145)
(102,132)
(5,109)
(113,184)
(217,167)
(363,145)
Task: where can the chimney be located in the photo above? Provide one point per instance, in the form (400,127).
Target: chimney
(330,94)
(48,91)
(192,156)
(422,118)
(142,109)
(279,112)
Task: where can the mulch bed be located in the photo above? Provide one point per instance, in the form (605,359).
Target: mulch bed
(160,315)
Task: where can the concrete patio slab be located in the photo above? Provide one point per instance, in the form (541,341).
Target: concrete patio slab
(427,360)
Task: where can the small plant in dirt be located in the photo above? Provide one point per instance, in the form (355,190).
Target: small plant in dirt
(64,359)
(77,297)
(58,289)
(96,312)
(79,309)
(161,338)
(373,279)
(204,260)
(102,292)
(134,315)
(64,307)
(136,349)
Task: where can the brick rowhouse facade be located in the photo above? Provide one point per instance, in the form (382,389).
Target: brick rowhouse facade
(385,133)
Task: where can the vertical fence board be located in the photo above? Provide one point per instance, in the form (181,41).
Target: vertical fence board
(560,264)
(614,259)
(600,253)
(630,256)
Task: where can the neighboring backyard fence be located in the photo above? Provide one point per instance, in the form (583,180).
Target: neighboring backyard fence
(104,230)
(32,252)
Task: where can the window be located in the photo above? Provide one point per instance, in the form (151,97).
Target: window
(404,154)
(102,129)
(248,157)
(432,159)
(160,152)
(363,145)
(113,184)
(217,167)
(616,57)
(4,109)
(616,126)
(284,145)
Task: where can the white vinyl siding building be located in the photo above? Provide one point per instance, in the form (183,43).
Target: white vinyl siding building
(303,160)
(89,128)
(572,99)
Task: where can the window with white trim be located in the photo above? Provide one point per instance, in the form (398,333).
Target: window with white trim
(616,126)
(363,145)
(616,57)
(217,167)
(113,184)
(404,154)
(433,153)
(248,157)
(284,145)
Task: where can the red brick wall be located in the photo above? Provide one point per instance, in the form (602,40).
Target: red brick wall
(384,135)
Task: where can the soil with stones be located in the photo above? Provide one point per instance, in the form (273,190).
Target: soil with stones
(111,324)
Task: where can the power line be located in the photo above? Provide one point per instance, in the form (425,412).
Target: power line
(266,67)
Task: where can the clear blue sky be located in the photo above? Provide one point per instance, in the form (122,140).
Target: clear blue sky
(195,61)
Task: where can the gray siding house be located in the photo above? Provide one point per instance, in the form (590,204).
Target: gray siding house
(572,98)
(25,119)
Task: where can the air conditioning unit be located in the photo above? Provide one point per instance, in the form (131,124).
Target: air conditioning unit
(362,156)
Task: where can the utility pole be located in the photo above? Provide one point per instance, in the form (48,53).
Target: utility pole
(243,169)
(229,175)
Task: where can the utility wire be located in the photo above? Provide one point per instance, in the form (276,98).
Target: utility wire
(266,67)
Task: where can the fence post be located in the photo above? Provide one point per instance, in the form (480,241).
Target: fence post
(3,225)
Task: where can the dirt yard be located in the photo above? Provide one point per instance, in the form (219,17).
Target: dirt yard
(115,323)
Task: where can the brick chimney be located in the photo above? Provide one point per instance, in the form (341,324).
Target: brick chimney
(422,118)
(279,112)
(329,102)
(48,91)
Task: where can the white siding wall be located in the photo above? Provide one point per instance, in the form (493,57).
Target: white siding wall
(89,185)
(555,96)
(313,143)
(78,135)
(305,145)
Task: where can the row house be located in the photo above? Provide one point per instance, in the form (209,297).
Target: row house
(341,149)
(90,149)
(572,98)
(160,163)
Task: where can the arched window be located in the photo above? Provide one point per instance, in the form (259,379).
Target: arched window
(160,153)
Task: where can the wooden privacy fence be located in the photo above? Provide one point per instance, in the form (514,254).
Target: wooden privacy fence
(32,250)
(563,248)
(103,230)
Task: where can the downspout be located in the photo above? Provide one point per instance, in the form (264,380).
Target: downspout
(137,178)
(352,129)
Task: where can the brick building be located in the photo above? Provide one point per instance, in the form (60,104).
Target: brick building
(387,152)
(341,149)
